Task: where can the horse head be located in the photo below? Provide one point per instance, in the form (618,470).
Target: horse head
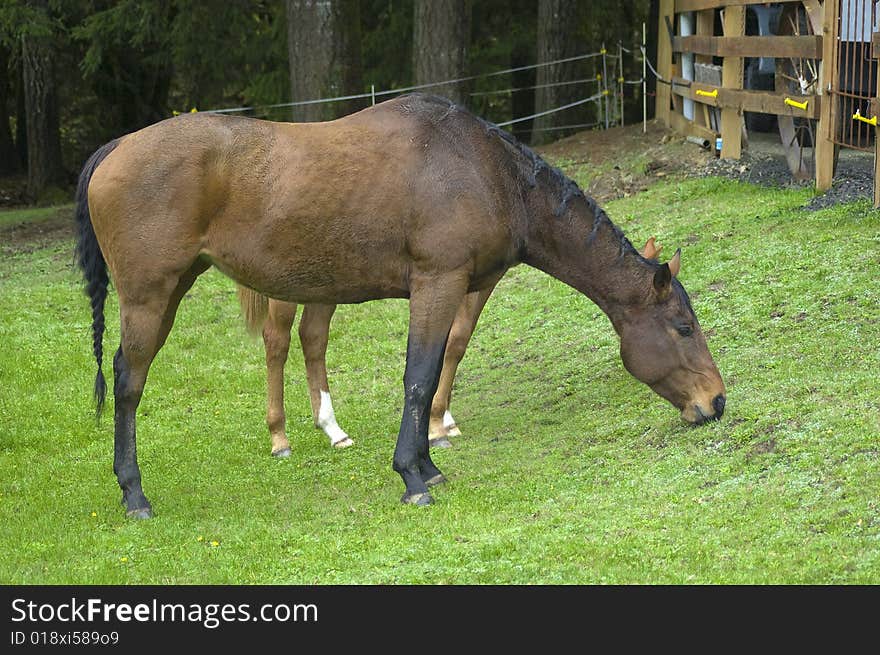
(662,345)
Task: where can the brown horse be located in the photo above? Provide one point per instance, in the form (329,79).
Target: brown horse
(412,198)
(274,318)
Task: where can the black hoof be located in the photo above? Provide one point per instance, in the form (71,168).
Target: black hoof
(420,499)
(141,513)
(284,452)
(437,479)
(440,442)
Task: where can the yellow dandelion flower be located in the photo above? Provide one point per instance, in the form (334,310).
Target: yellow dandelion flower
(94,514)
(200,538)
(123,559)
(215,543)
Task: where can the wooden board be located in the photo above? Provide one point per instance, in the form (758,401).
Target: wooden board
(683,126)
(764,102)
(705,27)
(801,47)
(700,5)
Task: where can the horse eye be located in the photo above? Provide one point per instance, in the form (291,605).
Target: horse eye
(685,330)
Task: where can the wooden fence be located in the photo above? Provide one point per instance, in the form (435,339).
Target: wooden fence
(819,57)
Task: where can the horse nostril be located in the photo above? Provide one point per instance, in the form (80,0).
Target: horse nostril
(718,405)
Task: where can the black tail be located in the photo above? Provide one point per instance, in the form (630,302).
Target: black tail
(94,268)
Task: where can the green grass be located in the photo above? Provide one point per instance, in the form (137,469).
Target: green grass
(570,471)
(32,214)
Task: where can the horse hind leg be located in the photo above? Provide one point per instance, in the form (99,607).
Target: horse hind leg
(276,339)
(145,326)
(314,333)
(442,425)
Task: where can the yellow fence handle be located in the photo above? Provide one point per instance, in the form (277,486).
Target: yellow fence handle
(712,94)
(870,121)
(795,103)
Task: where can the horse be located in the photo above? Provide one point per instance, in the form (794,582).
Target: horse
(274,320)
(415,197)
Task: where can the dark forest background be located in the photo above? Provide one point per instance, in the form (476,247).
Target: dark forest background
(77,73)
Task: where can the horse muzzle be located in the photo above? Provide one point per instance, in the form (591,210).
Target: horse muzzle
(697,415)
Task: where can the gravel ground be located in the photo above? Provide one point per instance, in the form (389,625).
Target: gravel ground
(853,179)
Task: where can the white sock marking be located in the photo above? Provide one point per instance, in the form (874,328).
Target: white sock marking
(327,420)
(448,421)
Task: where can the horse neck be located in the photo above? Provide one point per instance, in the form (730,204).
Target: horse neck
(583,248)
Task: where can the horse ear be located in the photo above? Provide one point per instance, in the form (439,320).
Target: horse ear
(662,280)
(651,249)
(675,263)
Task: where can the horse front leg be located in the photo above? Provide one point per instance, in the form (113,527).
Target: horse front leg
(314,333)
(442,425)
(276,339)
(432,307)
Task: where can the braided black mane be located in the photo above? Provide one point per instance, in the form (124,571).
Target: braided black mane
(566,188)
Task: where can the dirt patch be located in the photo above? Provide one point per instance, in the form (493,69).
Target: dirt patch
(29,236)
(632,158)
(762,448)
(628,159)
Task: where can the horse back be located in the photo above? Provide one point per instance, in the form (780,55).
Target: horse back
(342,211)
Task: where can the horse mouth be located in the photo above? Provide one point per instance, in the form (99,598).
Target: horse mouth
(703,418)
(700,417)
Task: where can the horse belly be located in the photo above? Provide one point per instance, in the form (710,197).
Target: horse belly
(312,261)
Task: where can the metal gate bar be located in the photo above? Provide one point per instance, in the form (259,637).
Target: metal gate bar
(857,79)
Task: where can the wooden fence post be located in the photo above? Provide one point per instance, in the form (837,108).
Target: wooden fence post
(664,60)
(706,27)
(828,111)
(732,78)
(876,168)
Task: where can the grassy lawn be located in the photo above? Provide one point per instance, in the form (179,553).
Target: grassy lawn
(569,470)
(32,215)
